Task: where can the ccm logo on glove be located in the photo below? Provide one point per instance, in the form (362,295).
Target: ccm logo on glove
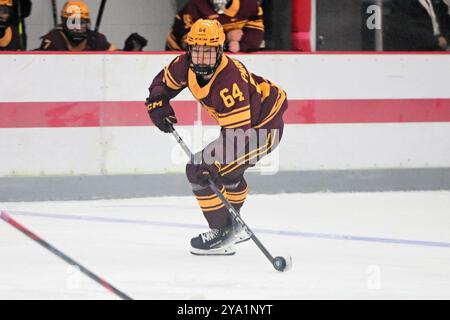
(154,104)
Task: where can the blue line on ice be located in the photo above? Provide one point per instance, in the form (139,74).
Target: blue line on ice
(257,231)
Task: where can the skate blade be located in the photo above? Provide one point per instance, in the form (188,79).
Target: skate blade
(227,251)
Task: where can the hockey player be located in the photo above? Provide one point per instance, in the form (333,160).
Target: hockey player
(9,35)
(248,108)
(242,21)
(75,34)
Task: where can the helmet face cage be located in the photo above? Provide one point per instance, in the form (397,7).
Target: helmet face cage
(204,60)
(205,46)
(77,32)
(76,20)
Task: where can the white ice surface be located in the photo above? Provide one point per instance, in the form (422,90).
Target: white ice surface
(141,246)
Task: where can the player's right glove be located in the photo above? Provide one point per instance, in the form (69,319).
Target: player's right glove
(161,113)
(200,173)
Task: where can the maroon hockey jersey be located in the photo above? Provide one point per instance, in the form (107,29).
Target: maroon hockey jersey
(10,40)
(246,15)
(56,40)
(234,97)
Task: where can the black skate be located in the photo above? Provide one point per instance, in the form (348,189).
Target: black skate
(215,242)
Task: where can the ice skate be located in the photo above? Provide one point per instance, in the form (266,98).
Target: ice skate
(218,242)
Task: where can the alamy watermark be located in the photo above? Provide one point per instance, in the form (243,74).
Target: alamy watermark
(74,21)
(374,21)
(257,149)
(373,281)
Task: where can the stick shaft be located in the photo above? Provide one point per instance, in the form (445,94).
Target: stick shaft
(100,15)
(21,34)
(54,13)
(225,201)
(63,256)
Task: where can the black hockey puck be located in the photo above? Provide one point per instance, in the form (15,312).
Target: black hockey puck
(279,264)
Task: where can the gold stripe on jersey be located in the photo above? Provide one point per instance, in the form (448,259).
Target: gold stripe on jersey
(261,152)
(170,81)
(276,107)
(233,10)
(260,11)
(243,157)
(257,86)
(256,28)
(7,37)
(265,90)
(224,115)
(172,43)
(234,25)
(257,24)
(251,155)
(238,116)
(234,119)
(239,124)
(202,92)
(211,111)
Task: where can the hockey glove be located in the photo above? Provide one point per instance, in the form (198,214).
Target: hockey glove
(200,173)
(135,42)
(161,113)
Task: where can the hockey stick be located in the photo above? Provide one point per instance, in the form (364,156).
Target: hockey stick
(55,15)
(279,263)
(66,258)
(100,15)
(21,34)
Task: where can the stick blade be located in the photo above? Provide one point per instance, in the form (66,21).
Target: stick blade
(288,263)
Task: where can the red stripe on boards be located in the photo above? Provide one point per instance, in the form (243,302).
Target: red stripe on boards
(113,114)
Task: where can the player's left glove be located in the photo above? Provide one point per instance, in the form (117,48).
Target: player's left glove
(161,113)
